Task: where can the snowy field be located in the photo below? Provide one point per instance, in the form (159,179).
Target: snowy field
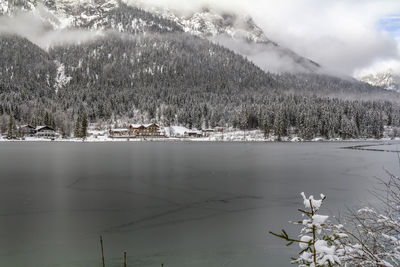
(234,136)
(177,133)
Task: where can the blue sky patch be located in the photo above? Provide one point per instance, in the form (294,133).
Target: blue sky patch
(391,24)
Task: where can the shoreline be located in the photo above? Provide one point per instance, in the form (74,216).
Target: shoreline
(205,140)
(179,134)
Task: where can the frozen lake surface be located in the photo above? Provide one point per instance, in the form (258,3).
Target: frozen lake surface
(181,204)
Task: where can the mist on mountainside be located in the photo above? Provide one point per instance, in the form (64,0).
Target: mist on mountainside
(269,56)
(35,27)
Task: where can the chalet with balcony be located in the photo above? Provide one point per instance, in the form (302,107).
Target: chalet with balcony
(145,130)
(45,132)
(137,130)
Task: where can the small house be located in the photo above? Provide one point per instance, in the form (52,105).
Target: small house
(137,130)
(152,129)
(45,132)
(95,133)
(207,132)
(119,133)
(193,134)
(27,130)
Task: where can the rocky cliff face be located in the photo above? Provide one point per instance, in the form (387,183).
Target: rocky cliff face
(387,79)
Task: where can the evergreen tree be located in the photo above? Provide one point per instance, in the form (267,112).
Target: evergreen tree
(47,120)
(84,125)
(11,131)
(78,129)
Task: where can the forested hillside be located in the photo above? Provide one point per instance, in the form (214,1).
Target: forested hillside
(144,68)
(27,78)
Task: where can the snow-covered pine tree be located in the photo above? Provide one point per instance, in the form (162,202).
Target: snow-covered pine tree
(318,240)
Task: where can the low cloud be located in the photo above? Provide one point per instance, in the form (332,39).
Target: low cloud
(379,67)
(268,57)
(341,35)
(38,28)
(344,36)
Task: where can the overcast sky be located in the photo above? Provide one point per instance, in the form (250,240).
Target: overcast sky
(347,36)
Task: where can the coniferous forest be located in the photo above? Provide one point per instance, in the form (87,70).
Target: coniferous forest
(157,73)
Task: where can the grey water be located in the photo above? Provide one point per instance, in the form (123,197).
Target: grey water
(181,204)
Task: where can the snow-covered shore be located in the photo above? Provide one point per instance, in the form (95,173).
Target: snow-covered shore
(230,136)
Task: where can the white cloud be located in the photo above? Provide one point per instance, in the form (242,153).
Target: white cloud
(379,67)
(342,35)
(35,28)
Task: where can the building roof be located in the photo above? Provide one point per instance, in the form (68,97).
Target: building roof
(95,132)
(150,124)
(136,125)
(119,129)
(38,128)
(27,126)
(193,132)
(143,125)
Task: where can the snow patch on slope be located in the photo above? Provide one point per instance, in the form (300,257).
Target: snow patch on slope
(383,73)
(61,78)
(386,79)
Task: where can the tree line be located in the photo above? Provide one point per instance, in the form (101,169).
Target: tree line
(174,78)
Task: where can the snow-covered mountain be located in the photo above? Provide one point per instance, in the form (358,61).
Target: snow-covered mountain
(108,59)
(236,32)
(208,23)
(241,34)
(59,13)
(387,79)
(87,14)
(9,7)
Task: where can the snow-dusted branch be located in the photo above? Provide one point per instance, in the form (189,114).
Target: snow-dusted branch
(375,235)
(317,241)
(370,237)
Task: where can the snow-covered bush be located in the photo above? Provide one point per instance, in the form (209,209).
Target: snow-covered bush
(319,240)
(370,237)
(374,233)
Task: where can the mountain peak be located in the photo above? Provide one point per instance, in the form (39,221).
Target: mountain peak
(208,23)
(388,79)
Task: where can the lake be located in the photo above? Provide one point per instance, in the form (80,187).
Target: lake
(178,203)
